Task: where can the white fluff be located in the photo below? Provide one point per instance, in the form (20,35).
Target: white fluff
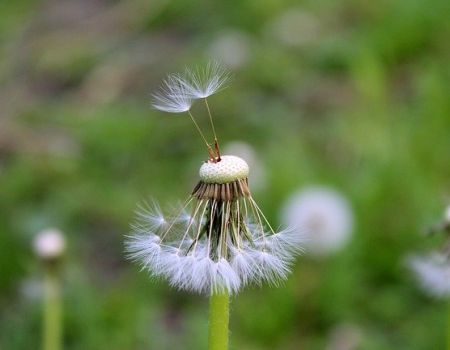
(173,96)
(324,215)
(202,82)
(287,243)
(49,244)
(197,264)
(432,273)
(244,264)
(151,216)
(271,269)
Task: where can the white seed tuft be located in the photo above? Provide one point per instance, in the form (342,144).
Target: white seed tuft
(189,258)
(173,96)
(202,82)
(325,217)
(433,273)
(49,244)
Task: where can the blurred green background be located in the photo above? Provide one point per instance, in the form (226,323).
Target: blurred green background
(351,94)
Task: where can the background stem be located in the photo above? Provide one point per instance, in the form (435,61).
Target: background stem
(218,321)
(52,310)
(448,327)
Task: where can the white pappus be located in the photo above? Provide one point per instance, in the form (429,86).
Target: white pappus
(432,273)
(223,245)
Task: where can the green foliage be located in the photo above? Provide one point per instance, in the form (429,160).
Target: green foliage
(362,106)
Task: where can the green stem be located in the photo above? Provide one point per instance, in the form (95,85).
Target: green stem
(448,327)
(52,328)
(218,321)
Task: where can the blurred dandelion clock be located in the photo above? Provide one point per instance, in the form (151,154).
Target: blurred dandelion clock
(232,47)
(220,240)
(326,215)
(49,244)
(433,273)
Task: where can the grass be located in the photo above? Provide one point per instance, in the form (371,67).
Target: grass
(362,107)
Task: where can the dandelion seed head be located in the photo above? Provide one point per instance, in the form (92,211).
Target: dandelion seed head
(325,217)
(49,244)
(219,240)
(432,273)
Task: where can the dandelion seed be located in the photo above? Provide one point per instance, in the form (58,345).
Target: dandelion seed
(202,82)
(151,216)
(173,96)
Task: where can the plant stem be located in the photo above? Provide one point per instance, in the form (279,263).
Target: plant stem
(448,327)
(52,327)
(218,321)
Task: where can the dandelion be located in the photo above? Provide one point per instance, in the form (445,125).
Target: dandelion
(325,213)
(224,244)
(49,245)
(219,241)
